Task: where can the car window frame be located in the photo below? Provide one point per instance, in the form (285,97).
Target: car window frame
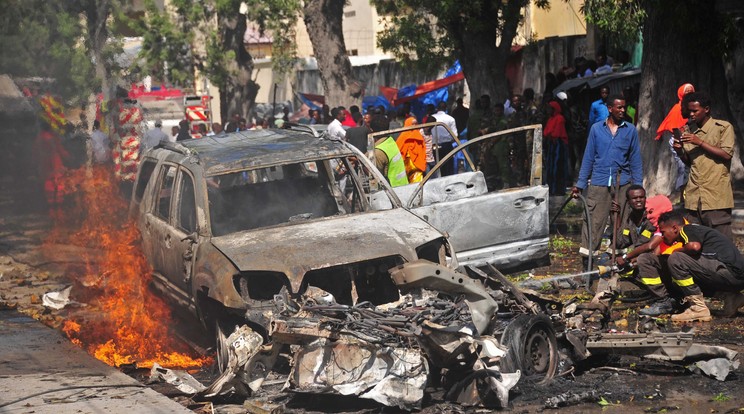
(140,187)
(158,188)
(377,174)
(397,131)
(176,206)
(535,168)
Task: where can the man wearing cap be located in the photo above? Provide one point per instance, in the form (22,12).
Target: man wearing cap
(153,137)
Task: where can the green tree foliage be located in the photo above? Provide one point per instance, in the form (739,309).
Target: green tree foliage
(169,37)
(696,20)
(622,19)
(430,33)
(165,53)
(47,39)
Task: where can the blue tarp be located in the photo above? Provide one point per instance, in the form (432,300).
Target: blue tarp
(418,106)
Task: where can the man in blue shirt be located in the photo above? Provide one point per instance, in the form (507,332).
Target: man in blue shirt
(612,146)
(598,111)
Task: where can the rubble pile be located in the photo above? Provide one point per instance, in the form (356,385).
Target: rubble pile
(385,353)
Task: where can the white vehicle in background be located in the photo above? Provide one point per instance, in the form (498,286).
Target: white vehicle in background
(170,111)
(194,108)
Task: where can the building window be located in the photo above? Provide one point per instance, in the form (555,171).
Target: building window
(353,52)
(350,14)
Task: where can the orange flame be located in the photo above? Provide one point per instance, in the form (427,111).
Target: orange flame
(127,323)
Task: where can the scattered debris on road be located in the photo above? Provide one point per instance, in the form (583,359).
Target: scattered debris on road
(179,379)
(59,299)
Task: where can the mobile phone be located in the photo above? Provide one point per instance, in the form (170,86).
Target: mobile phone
(677,133)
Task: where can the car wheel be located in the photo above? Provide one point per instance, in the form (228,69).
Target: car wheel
(222,330)
(533,347)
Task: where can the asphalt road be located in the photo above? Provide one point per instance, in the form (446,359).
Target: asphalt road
(42,372)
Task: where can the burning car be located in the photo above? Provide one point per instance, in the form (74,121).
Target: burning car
(229,222)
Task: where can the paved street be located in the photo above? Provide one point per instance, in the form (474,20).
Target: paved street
(42,372)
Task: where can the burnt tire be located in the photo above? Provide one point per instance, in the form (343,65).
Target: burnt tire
(533,347)
(222,330)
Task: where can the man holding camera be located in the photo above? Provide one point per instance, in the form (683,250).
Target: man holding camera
(707,146)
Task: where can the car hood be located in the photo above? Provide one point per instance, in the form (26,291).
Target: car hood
(298,248)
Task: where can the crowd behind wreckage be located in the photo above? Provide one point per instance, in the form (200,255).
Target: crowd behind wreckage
(462,330)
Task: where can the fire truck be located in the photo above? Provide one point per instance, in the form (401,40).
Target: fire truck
(171,106)
(138,112)
(197,112)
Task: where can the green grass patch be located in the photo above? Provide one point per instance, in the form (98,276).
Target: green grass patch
(573,208)
(602,402)
(721,397)
(518,277)
(562,243)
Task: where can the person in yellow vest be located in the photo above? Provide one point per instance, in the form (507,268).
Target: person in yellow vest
(387,155)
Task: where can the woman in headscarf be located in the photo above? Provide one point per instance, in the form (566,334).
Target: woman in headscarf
(675,119)
(556,139)
(348,120)
(413,150)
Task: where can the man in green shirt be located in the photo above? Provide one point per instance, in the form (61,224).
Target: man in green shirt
(707,146)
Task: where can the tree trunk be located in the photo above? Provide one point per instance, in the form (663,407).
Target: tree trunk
(96,14)
(324,22)
(483,66)
(669,62)
(238,94)
(483,61)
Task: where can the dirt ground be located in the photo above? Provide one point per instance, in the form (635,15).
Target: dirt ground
(612,385)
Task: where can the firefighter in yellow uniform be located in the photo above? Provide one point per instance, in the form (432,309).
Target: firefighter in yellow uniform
(653,271)
(636,236)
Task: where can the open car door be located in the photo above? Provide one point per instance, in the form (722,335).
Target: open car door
(507,228)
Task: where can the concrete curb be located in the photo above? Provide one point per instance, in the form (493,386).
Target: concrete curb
(42,372)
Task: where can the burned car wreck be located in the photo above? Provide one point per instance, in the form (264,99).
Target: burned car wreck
(473,335)
(229,222)
(241,229)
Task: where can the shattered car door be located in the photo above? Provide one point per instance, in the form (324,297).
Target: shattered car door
(507,228)
(157,219)
(168,245)
(182,234)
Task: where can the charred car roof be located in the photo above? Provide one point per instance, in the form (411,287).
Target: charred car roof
(258,148)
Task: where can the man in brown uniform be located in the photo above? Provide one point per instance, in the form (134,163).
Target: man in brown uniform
(707,147)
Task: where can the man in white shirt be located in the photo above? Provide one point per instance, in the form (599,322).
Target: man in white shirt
(153,137)
(335,129)
(442,138)
(101,144)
